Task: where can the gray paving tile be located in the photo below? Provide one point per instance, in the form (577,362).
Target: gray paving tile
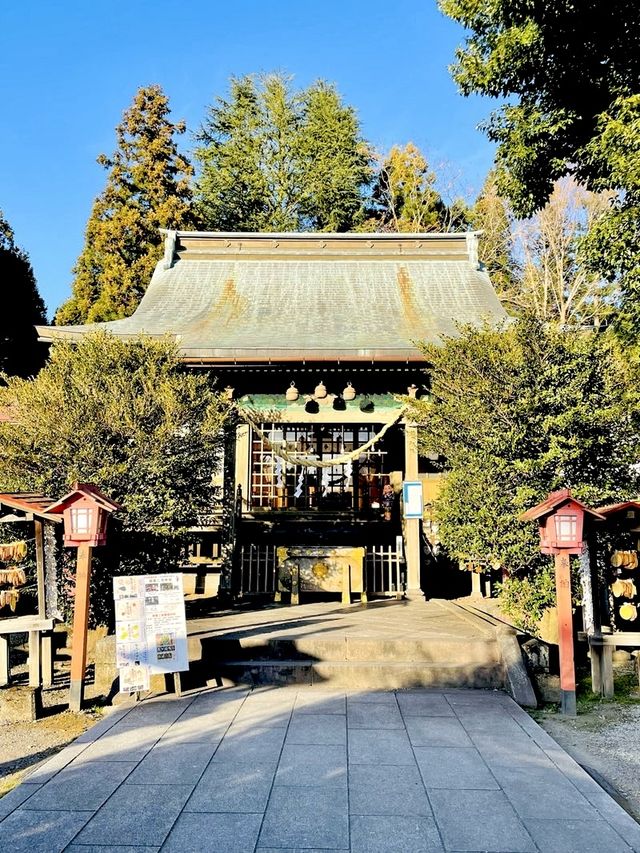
(306,817)
(616,816)
(367,715)
(387,790)
(103,725)
(479,820)
(454,767)
(232,788)
(495,720)
(576,836)
(318,729)
(213,833)
(249,746)
(169,762)
(263,715)
(152,711)
(292,849)
(550,796)
(45,771)
(488,698)
(81,787)
(374,697)
(123,744)
(424,705)
(136,815)
(16,797)
(310,700)
(436,731)
(109,848)
(370,746)
(304,764)
(515,750)
(39,832)
(221,709)
(196,729)
(394,834)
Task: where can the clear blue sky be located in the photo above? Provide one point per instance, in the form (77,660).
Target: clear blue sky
(69,69)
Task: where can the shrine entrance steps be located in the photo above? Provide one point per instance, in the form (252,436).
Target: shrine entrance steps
(386,645)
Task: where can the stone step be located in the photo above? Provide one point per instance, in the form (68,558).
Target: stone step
(346,648)
(371,674)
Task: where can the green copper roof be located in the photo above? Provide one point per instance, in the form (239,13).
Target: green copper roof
(272,297)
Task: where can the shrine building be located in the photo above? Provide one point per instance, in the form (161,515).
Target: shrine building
(315,336)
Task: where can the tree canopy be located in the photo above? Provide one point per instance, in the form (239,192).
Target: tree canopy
(147,189)
(404,197)
(23,308)
(275,159)
(562,65)
(126,416)
(518,412)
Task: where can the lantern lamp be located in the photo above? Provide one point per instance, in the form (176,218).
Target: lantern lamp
(85,511)
(560,522)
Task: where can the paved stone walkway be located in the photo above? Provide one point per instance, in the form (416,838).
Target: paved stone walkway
(302,769)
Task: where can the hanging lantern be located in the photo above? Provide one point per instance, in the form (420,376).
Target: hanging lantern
(366,404)
(349,392)
(412,391)
(292,393)
(321,391)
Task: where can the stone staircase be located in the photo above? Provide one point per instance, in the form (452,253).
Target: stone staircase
(429,644)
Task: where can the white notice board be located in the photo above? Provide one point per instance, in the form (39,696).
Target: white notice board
(151,628)
(412,499)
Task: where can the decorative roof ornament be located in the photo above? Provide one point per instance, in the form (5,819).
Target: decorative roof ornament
(169,249)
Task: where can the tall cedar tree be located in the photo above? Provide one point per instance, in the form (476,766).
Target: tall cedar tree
(518,412)
(274,159)
(571,72)
(147,189)
(126,416)
(20,352)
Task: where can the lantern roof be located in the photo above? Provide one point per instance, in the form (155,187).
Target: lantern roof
(612,509)
(555,501)
(86,490)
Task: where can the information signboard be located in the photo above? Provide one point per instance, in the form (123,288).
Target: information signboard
(151,628)
(412,499)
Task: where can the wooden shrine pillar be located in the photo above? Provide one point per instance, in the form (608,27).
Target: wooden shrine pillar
(226,589)
(412,525)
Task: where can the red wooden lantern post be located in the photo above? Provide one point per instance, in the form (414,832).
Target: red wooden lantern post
(85,512)
(561,522)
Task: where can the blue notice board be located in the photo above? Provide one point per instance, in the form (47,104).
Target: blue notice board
(412,498)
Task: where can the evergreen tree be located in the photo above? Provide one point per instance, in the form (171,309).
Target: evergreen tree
(274,159)
(404,197)
(147,189)
(20,352)
(126,416)
(519,412)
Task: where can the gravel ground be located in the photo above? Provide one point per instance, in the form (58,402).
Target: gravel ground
(23,745)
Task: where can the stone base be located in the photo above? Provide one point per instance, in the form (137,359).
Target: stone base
(20,704)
